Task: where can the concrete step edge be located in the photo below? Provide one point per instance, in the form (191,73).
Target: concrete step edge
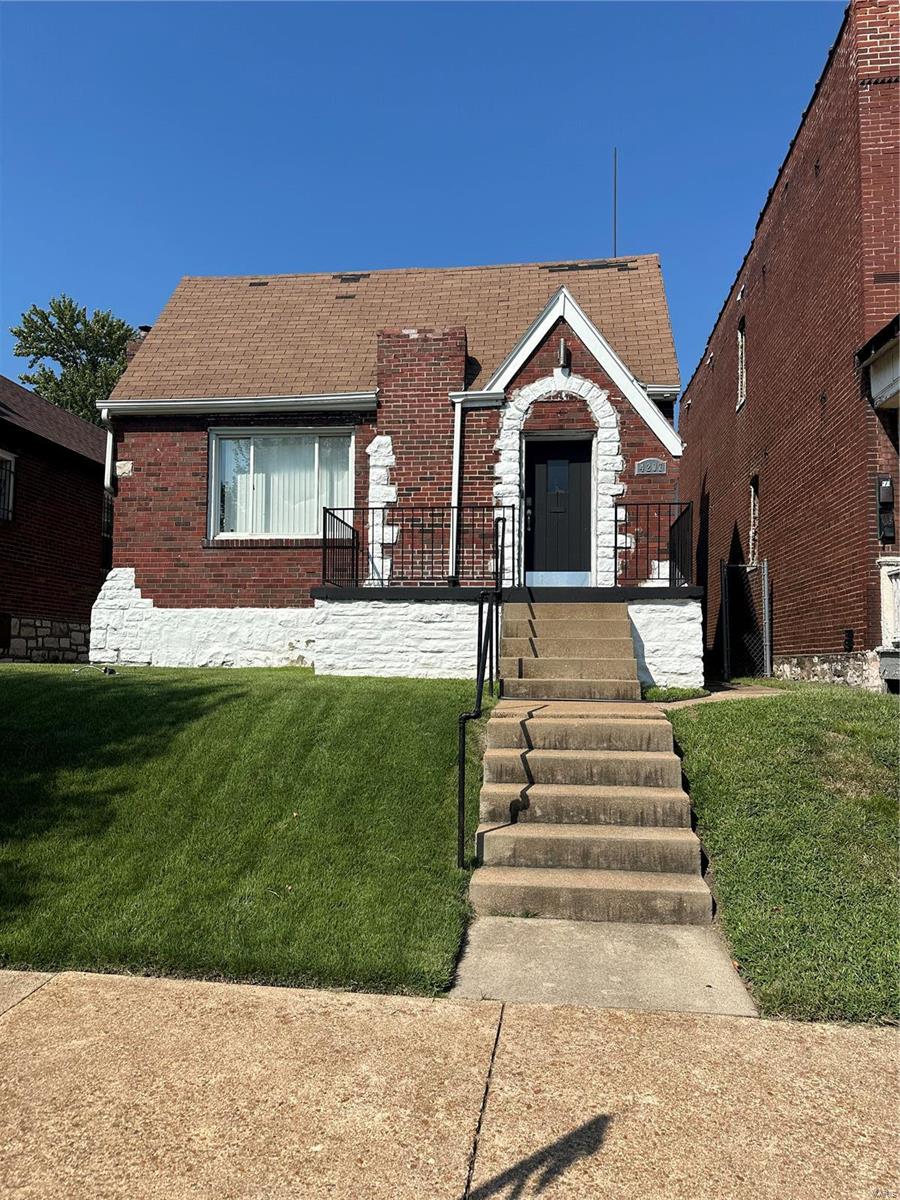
(589,878)
(557,830)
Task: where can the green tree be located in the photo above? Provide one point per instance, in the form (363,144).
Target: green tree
(89,351)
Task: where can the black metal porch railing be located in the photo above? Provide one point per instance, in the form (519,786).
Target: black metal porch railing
(653,544)
(418,546)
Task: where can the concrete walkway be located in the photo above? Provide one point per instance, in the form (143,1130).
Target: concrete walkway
(603,964)
(145,1088)
(737,692)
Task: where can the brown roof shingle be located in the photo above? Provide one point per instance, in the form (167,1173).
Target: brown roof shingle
(20,407)
(284,335)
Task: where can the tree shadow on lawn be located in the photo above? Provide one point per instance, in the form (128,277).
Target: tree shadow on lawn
(53,724)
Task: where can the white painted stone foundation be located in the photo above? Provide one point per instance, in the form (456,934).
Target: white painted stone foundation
(129,629)
(668,642)
(417,639)
(422,639)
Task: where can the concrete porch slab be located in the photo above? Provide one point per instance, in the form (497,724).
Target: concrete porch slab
(588,1105)
(159,1088)
(655,968)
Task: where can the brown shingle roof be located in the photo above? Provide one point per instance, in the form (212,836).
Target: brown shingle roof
(315,334)
(20,407)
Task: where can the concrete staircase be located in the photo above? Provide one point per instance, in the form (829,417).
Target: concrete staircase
(583,815)
(568,652)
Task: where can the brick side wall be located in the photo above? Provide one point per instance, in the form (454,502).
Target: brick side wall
(877,41)
(807,430)
(51,551)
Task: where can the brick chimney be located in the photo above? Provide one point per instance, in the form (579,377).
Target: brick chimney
(132,346)
(417,368)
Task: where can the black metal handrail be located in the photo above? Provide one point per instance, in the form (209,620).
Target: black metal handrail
(488,663)
(652,543)
(417,545)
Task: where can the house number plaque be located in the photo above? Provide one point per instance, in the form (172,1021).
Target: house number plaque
(650,466)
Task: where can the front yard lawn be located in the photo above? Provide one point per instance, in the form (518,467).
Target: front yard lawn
(796,801)
(255,824)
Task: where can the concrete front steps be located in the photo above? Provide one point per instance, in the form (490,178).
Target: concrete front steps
(644,897)
(583,815)
(568,652)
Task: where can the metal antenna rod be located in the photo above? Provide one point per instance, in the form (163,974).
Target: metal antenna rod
(615,222)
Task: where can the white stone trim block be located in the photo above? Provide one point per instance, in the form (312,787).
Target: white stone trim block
(668,641)
(381,493)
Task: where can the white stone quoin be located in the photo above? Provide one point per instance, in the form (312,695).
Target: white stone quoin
(668,642)
(382,492)
(606,466)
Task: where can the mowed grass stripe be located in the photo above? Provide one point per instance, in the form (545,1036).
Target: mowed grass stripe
(254,824)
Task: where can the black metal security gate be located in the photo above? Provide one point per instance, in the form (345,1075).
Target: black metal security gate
(746,617)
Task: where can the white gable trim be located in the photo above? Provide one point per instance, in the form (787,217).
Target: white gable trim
(564,305)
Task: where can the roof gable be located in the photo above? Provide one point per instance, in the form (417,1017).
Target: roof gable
(564,306)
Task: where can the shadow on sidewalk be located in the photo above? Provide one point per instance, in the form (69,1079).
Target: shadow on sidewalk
(547,1165)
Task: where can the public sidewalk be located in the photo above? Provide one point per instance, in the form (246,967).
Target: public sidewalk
(114,1086)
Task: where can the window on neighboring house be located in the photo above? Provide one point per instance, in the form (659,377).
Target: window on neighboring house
(7,476)
(753,541)
(741,363)
(275,484)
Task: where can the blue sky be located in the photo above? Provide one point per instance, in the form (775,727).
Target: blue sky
(143,142)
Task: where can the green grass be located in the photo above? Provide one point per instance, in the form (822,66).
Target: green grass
(767,681)
(796,800)
(671,694)
(264,825)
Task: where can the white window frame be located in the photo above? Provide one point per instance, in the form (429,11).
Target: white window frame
(9,457)
(318,432)
(741,364)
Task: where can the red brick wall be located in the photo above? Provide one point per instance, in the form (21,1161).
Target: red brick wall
(161,511)
(161,519)
(807,430)
(417,369)
(877,41)
(51,551)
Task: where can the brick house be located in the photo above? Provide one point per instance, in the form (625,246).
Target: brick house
(790,419)
(53,553)
(328,469)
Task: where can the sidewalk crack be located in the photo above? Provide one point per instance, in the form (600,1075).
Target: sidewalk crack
(473,1153)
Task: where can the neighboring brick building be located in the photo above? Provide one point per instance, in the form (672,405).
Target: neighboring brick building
(53,556)
(790,419)
(418,404)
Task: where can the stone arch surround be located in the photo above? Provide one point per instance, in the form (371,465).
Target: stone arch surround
(607,462)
